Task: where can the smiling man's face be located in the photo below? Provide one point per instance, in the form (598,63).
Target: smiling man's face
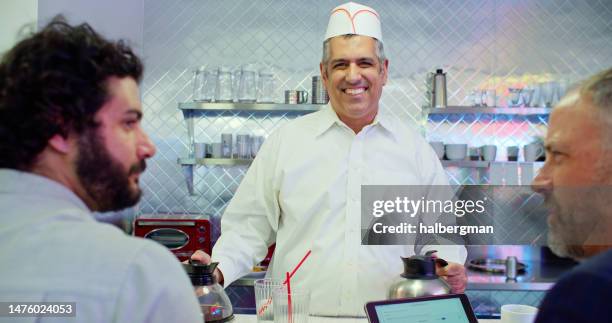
(354,79)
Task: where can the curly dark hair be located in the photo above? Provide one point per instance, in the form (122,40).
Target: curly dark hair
(54,82)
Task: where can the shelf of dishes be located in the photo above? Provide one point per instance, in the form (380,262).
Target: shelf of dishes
(487,110)
(231,106)
(239,161)
(463,156)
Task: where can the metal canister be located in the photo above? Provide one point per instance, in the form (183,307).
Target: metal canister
(319,94)
(439,89)
(511,268)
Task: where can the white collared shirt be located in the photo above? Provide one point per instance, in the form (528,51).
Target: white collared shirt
(52,250)
(303,191)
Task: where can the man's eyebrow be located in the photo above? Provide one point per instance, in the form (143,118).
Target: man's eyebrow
(137,112)
(337,60)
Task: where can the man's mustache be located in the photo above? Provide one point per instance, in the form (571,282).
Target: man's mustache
(138,168)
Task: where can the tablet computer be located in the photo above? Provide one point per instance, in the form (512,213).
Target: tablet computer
(451,308)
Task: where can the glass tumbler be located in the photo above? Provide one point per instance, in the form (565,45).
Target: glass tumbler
(223,90)
(266,86)
(203,85)
(263,298)
(295,312)
(247,87)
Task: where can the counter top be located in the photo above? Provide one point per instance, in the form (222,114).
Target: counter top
(243,318)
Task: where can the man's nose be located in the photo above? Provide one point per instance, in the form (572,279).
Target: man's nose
(146,147)
(542,183)
(353,73)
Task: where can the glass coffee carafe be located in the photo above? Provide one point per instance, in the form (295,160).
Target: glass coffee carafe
(214,303)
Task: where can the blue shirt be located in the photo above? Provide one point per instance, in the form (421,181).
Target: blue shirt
(52,250)
(582,295)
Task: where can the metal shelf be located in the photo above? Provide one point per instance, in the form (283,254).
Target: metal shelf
(270,107)
(528,111)
(214,161)
(481,163)
(466,163)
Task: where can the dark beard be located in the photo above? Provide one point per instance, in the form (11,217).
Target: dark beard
(102,177)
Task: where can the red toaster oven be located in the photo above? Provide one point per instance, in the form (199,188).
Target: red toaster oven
(182,236)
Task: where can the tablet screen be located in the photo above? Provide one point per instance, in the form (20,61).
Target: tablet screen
(448,310)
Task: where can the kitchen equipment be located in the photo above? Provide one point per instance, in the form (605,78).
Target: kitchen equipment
(247,88)
(182,236)
(488,152)
(511,270)
(490,98)
(296,97)
(214,303)
(512,153)
(256,142)
(264,304)
(223,89)
(455,151)
(199,149)
(266,86)
(226,145)
(527,96)
(319,93)
(203,85)
(514,98)
(533,151)
(474,153)
(243,146)
(494,266)
(439,89)
(419,278)
(294,311)
(518,313)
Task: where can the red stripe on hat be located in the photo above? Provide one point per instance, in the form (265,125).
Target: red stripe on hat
(352,18)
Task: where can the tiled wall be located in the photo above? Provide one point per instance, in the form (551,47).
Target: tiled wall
(486,43)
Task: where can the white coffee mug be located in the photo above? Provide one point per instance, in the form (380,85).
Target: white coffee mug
(517,313)
(438,147)
(455,151)
(216,150)
(512,153)
(488,152)
(199,149)
(533,151)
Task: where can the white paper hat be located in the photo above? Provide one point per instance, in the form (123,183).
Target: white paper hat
(354,18)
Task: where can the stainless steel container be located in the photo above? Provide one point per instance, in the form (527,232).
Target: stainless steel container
(319,94)
(296,97)
(439,89)
(419,279)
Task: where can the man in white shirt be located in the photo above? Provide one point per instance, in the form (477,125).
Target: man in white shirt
(71,143)
(303,191)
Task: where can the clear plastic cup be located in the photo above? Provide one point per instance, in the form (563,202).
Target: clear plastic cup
(264,305)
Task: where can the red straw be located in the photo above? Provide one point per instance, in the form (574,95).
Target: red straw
(289,316)
(269,300)
(298,266)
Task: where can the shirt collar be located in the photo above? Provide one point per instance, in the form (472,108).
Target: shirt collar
(329,119)
(27,183)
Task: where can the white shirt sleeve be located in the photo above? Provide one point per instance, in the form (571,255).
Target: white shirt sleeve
(250,222)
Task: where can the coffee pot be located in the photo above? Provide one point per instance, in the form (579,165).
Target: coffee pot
(214,303)
(419,278)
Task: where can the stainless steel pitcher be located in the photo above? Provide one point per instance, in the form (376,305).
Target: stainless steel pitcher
(419,279)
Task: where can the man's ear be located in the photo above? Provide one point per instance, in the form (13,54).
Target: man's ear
(386,71)
(60,143)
